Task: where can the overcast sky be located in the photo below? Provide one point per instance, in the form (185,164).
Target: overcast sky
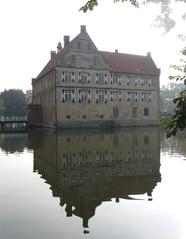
(30,29)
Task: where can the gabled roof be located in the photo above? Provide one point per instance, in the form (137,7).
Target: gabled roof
(127,63)
(117,62)
(51,64)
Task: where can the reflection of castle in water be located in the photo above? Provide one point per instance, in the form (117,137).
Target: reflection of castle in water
(85,169)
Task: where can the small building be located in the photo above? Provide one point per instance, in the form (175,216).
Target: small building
(83,87)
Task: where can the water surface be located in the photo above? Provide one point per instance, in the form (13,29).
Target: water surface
(126,183)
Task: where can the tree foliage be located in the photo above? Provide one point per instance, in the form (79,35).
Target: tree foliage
(178,119)
(14,102)
(164,18)
(167,94)
(89,5)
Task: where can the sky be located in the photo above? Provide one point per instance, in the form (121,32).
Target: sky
(30,29)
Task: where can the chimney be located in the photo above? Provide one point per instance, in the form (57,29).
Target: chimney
(52,54)
(66,40)
(148,54)
(116,50)
(59,47)
(82,28)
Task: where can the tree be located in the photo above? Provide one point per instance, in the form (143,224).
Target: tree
(167,94)
(14,102)
(163,19)
(178,120)
(93,3)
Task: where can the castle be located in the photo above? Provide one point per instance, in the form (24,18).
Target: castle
(83,87)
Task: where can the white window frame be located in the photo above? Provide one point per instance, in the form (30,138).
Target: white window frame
(101,96)
(146,96)
(147,81)
(100,78)
(84,96)
(68,96)
(131,79)
(115,78)
(132,96)
(68,76)
(115,95)
(84,77)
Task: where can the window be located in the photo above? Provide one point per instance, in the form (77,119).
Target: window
(146,140)
(135,80)
(68,117)
(84,116)
(84,96)
(100,116)
(68,76)
(131,80)
(115,79)
(68,96)
(100,79)
(134,111)
(146,111)
(132,96)
(146,80)
(150,82)
(84,78)
(115,96)
(146,96)
(101,96)
(142,80)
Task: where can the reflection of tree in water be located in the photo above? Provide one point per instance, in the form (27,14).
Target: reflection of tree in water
(175,144)
(85,169)
(13,142)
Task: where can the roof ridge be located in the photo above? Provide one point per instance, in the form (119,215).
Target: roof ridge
(122,53)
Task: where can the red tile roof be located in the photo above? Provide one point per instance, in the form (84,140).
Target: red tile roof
(127,63)
(51,64)
(118,62)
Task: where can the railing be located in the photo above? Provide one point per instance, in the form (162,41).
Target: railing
(13,119)
(13,124)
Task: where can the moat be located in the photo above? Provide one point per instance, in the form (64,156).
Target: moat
(121,183)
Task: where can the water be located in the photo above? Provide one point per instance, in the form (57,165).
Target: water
(127,183)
